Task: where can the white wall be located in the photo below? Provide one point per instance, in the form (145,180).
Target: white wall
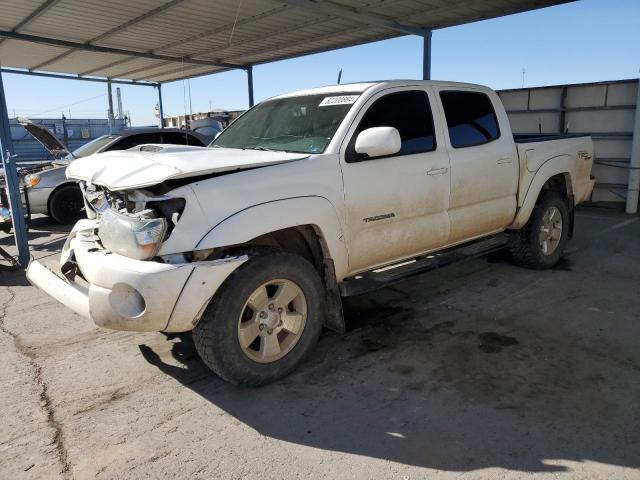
(605,110)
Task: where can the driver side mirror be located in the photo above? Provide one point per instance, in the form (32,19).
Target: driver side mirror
(378,141)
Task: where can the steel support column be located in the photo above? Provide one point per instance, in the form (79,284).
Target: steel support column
(426,56)
(249,70)
(110,113)
(634,164)
(13,182)
(160,108)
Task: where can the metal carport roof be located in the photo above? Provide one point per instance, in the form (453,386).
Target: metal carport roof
(162,41)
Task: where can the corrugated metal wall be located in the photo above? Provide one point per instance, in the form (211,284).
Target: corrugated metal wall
(79,132)
(604,110)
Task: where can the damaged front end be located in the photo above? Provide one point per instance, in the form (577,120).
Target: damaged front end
(111,270)
(132,223)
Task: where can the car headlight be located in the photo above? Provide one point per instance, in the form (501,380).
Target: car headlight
(133,237)
(32,179)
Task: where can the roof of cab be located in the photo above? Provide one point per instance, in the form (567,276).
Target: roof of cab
(358,88)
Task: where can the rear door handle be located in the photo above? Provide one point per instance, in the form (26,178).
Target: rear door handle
(503,160)
(437,171)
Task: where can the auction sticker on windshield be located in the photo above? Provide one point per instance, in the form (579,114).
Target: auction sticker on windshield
(339,100)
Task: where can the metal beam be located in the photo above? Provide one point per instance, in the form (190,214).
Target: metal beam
(160,107)
(119,28)
(33,15)
(357,15)
(250,84)
(75,77)
(118,51)
(426,56)
(198,36)
(110,113)
(13,182)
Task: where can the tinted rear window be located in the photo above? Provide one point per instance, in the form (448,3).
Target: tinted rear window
(471,119)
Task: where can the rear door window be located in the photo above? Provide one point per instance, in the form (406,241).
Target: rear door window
(471,119)
(179,138)
(409,113)
(135,140)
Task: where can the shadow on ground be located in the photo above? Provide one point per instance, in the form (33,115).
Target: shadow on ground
(437,387)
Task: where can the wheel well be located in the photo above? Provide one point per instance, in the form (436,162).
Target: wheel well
(560,183)
(307,241)
(55,190)
(302,240)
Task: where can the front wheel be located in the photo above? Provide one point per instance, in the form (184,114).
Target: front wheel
(66,204)
(264,320)
(540,243)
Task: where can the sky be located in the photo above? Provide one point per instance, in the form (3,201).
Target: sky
(584,41)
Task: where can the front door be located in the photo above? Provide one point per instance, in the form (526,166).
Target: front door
(396,206)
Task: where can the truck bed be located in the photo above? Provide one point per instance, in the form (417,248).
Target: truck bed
(572,153)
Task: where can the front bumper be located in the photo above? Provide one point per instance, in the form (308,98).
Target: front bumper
(121,293)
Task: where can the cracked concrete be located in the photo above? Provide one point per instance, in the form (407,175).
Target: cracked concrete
(38,380)
(481,370)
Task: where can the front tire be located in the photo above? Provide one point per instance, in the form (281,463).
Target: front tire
(66,204)
(264,320)
(541,242)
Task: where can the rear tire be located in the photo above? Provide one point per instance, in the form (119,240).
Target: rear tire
(540,243)
(265,300)
(66,204)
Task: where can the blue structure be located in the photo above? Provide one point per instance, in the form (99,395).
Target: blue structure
(74,132)
(13,184)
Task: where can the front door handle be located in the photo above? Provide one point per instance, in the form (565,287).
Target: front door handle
(437,171)
(505,159)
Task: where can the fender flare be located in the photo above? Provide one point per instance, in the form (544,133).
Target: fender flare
(545,172)
(267,217)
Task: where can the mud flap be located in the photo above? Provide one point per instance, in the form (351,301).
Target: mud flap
(572,215)
(334,319)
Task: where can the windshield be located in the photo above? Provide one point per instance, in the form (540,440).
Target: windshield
(93,146)
(302,124)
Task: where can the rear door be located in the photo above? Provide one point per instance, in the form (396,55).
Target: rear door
(484,162)
(396,206)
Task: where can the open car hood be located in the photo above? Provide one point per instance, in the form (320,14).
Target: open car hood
(48,140)
(149,165)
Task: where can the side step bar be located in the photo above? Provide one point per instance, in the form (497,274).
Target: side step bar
(381,277)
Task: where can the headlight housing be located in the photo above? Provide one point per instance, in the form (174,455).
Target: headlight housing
(31,180)
(133,237)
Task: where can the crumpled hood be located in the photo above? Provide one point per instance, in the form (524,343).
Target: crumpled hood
(149,165)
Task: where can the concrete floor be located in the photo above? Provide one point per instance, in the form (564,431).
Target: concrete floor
(479,370)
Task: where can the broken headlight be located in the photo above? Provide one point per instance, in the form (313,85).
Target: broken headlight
(136,237)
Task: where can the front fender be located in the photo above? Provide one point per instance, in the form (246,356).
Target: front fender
(268,217)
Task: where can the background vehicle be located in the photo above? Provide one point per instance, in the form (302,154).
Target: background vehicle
(51,193)
(304,198)
(208,128)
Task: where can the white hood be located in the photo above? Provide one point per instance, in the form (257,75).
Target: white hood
(120,170)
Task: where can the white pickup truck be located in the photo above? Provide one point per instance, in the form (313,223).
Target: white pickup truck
(305,198)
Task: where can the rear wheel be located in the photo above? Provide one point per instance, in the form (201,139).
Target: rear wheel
(264,320)
(540,243)
(66,204)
